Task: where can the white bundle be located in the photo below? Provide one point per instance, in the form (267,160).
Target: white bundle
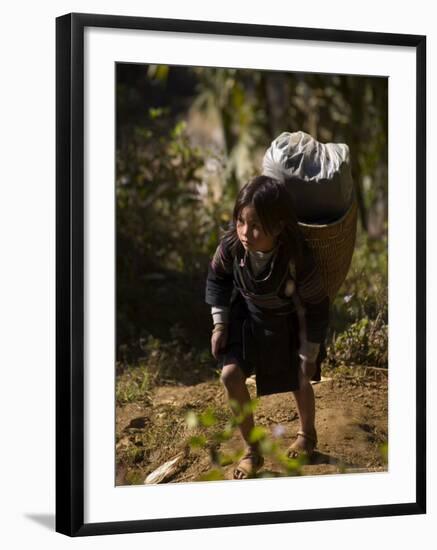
(316,174)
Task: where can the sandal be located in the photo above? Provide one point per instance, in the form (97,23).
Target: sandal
(295,451)
(249,464)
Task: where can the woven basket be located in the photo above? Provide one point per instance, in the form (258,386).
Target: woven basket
(333,245)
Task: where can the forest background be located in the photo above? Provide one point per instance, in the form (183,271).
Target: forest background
(187,139)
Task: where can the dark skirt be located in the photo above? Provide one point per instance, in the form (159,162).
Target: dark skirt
(266,346)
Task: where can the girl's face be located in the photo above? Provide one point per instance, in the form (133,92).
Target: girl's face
(251,233)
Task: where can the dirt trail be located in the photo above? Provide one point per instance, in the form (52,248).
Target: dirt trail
(351,420)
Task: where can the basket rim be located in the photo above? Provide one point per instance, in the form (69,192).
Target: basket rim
(334,223)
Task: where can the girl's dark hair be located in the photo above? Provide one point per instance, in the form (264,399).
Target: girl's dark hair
(274,206)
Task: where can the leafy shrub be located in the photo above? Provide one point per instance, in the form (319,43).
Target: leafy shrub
(160,362)
(365,342)
(359,320)
(133,386)
(364,292)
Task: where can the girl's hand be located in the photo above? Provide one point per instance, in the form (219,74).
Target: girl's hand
(308,368)
(218,339)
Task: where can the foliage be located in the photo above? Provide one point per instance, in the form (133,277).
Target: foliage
(133,386)
(364,291)
(365,342)
(168,218)
(189,137)
(160,362)
(360,312)
(384,452)
(209,435)
(157,200)
(230,97)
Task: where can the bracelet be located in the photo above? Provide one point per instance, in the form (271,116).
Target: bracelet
(219,327)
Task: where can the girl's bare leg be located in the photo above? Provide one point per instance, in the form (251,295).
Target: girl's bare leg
(234,382)
(306,408)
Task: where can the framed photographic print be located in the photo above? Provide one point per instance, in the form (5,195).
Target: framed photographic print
(240,274)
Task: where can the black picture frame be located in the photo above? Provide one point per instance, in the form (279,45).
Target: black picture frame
(70,273)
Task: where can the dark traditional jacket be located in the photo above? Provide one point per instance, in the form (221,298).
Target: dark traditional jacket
(268,294)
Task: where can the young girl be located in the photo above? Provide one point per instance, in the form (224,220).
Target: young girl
(270,311)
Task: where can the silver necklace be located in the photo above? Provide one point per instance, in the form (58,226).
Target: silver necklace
(244,262)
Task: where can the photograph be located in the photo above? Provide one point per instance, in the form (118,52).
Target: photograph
(217,275)
(251,212)
(240,274)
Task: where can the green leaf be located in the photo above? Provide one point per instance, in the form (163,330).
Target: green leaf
(197,441)
(225,459)
(383,449)
(221,437)
(208,418)
(250,407)
(257,433)
(267,446)
(155,112)
(212,475)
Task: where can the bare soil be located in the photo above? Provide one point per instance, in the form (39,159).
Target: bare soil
(351,421)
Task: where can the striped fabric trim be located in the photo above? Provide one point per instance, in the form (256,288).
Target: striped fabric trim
(221,262)
(311,288)
(268,301)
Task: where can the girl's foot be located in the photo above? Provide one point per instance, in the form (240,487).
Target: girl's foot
(304,445)
(249,465)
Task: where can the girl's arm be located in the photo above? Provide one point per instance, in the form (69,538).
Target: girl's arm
(220,314)
(219,286)
(315,305)
(220,280)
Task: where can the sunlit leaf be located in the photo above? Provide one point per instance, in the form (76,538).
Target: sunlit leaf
(208,418)
(257,433)
(212,475)
(197,441)
(384,452)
